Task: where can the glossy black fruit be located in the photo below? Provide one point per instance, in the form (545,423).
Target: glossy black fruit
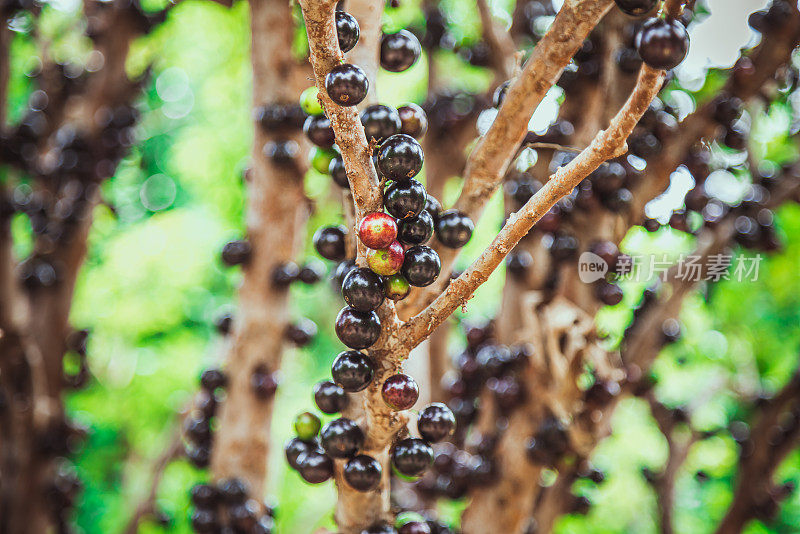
(347,84)
(662,43)
(636,7)
(454,229)
(363,473)
(338,172)
(363,290)
(415,230)
(436,422)
(413,120)
(412,456)
(347,30)
(404,200)
(434,207)
(400,157)
(421,266)
(352,370)
(340,272)
(232,490)
(358,330)
(341,438)
(329,242)
(295,447)
(315,467)
(204,495)
(329,397)
(380,122)
(311,272)
(204,521)
(399,51)
(212,379)
(318,130)
(236,252)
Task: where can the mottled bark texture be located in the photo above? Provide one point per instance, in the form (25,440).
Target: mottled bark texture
(277,212)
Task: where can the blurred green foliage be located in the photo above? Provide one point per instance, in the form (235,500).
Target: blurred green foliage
(153,284)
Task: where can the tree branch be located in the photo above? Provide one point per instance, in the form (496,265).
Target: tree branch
(607,144)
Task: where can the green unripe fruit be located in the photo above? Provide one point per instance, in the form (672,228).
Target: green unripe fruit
(321,158)
(310,102)
(307,426)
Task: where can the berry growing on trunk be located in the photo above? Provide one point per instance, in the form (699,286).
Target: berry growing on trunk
(363,473)
(636,7)
(421,266)
(329,242)
(347,84)
(329,397)
(405,199)
(454,229)
(377,230)
(352,370)
(663,43)
(315,467)
(362,289)
(387,261)
(341,438)
(436,422)
(380,122)
(400,157)
(415,230)
(396,286)
(318,130)
(413,120)
(347,31)
(399,51)
(412,456)
(358,330)
(400,392)
(306,425)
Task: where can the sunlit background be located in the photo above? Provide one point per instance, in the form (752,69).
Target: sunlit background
(153,284)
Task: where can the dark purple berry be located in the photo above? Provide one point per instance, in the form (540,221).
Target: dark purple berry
(454,229)
(363,290)
(404,200)
(347,30)
(662,43)
(400,392)
(380,122)
(400,157)
(329,242)
(213,379)
(352,370)
(421,265)
(318,130)
(412,456)
(315,467)
(346,84)
(295,447)
(236,252)
(413,120)
(358,330)
(341,438)
(636,7)
(436,422)
(415,230)
(338,172)
(329,397)
(363,473)
(399,51)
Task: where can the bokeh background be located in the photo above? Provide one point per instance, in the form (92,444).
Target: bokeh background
(153,283)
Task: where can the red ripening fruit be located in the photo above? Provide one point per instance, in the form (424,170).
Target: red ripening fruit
(387,261)
(377,230)
(400,392)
